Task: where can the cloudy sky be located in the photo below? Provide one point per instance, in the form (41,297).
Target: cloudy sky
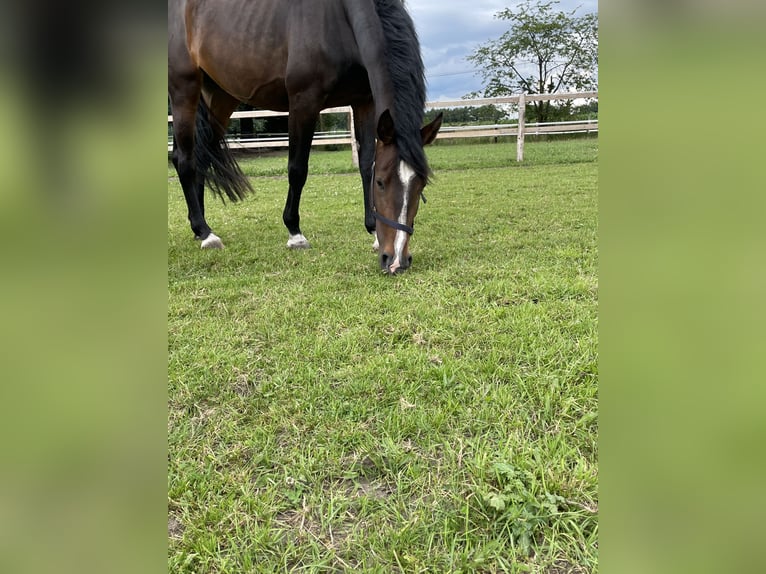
(450,30)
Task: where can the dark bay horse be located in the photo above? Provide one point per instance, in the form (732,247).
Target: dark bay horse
(302,56)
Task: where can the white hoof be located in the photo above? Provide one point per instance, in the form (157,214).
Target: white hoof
(376,245)
(212,241)
(298,242)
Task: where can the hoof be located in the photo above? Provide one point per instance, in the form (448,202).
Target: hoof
(298,242)
(212,241)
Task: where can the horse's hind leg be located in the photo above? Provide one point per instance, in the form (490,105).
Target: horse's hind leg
(187,137)
(184,98)
(219,107)
(301,125)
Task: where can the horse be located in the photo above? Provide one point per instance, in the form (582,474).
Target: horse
(302,56)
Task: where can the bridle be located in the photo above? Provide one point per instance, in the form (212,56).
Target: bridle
(391,223)
(409,230)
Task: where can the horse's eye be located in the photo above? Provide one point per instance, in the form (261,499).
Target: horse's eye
(379,182)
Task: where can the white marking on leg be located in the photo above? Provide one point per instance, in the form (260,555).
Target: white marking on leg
(298,242)
(212,241)
(376,244)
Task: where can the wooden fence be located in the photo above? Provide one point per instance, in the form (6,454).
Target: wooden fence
(519,129)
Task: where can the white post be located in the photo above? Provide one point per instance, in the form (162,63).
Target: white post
(354,143)
(520,135)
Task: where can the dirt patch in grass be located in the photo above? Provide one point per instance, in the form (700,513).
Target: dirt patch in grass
(364,487)
(299,522)
(565,567)
(175,528)
(245,383)
(303,528)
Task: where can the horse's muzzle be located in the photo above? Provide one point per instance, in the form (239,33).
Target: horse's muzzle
(393,265)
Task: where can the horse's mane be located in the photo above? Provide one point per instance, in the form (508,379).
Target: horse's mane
(407,73)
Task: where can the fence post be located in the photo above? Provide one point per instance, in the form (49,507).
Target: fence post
(520,135)
(354,143)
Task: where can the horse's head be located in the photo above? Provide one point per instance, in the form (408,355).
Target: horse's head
(396,191)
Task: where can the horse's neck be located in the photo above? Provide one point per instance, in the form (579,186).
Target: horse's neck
(383,94)
(369,36)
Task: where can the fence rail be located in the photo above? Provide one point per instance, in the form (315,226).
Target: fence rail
(519,129)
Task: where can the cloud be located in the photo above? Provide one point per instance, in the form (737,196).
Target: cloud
(450,30)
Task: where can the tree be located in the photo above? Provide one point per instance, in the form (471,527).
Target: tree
(543,52)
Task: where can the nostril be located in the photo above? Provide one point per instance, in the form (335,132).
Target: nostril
(385,260)
(409,260)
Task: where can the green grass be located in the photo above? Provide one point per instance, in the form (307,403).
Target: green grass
(324,417)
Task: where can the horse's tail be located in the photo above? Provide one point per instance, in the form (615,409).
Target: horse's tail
(215,160)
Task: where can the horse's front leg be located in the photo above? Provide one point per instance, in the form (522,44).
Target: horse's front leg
(301,125)
(364,131)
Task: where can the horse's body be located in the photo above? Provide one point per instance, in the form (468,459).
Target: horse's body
(302,56)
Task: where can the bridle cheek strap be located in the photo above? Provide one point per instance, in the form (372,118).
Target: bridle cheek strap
(391,223)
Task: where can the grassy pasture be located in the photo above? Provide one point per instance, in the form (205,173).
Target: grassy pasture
(323,417)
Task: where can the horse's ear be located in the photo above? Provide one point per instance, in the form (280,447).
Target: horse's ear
(386,128)
(428,133)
